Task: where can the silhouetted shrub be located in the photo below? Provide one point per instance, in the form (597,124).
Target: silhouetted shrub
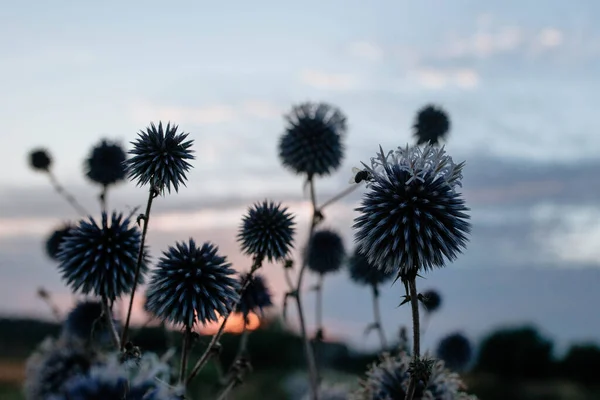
(456,351)
(518,353)
(582,363)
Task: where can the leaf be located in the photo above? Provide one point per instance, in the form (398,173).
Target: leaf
(406,300)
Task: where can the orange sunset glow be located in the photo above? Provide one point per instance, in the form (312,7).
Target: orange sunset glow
(235,324)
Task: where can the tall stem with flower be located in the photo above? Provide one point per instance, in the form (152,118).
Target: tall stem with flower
(266,232)
(160,159)
(363,273)
(325,253)
(412,219)
(311,146)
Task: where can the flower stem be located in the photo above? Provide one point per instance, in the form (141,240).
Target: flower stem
(66,195)
(45,296)
(227,390)
(242,348)
(414,302)
(102,198)
(319,302)
(151,195)
(184,353)
(312,368)
(243,341)
(377,315)
(111,324)
(238,371)
(339,196)
(215,339)
(319,323)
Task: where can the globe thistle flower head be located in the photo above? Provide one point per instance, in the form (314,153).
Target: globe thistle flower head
(456,351)
(190,283)
(160,157)
(255,297)
(40,160)
(389,379)
(100,259)
(412,218)
(86,323)
(267,230)
(325,252)
(432,300)
(48,374)
(363,272)
(432,125)
(106,164)
(312,143)
(55,239)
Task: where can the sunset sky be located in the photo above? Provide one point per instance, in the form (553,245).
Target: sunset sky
(519,81)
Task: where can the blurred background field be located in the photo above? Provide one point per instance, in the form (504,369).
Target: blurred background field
(515,363)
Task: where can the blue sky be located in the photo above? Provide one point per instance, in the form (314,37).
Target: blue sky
(519,81)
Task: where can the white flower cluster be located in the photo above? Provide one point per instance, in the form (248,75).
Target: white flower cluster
(389,379)
(417,161)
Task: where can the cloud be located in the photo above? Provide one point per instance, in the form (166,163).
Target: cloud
(329,81)
(366,50)
(483,44)
(437,78)
(569,233)
(214,114)
(550,37)
(432,78)
(262,109)
(489,41)
(144,111)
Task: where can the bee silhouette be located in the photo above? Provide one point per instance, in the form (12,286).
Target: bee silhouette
(360,175)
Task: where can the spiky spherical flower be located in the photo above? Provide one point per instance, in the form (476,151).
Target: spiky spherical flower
(412,218)
(256,296)
(191,282)
(312,143)
(325,252)
(86,323)
(432,300)
(455,349)
(389,379)
(50,369)
(160,157)
(106,163)
(267,230)
(55,239)
(101,259)
(431,125)
(363,272)
(39,159)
